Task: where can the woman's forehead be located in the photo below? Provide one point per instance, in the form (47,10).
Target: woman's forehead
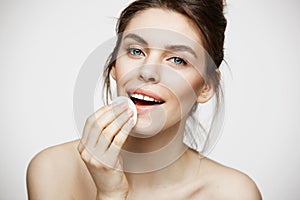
(168,21)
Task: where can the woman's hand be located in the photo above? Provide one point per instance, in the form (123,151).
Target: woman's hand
(104,134)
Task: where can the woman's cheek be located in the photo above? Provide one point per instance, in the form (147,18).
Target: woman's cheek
(181,86)
(126,65)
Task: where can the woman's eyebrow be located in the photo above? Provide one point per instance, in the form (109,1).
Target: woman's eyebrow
(136,38)
(181,48)
(177,48)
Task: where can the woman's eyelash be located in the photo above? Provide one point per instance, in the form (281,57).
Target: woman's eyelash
(178,61)
(135,51)
(138,52)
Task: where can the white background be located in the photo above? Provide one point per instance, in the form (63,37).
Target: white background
(44,43)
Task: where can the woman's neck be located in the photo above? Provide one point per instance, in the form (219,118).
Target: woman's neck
(178,172)
(160,159)
(141,155)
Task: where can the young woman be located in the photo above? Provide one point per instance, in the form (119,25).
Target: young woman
(166,61)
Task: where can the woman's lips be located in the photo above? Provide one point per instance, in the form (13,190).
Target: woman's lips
(144,109)
(144,100)
(145,94)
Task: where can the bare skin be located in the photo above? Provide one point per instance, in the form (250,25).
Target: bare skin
(71,170)
(59,173)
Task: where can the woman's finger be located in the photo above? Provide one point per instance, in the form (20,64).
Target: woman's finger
(111,156)
(106,137)
(91,120)
(113,128)
(104,120)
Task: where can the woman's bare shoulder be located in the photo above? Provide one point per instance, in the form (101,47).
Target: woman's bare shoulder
(56,155)
(224,182)
(53,170)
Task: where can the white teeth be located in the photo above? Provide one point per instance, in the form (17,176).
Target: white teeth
(139,96)
(145,98)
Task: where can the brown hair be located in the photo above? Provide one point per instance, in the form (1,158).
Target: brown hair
(206,14)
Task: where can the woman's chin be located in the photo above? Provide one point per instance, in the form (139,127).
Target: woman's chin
(145,131)
(150,123)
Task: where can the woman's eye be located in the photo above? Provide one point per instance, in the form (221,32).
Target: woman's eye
(178,61)
(135,51)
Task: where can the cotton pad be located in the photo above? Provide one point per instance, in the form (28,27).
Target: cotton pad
(120,99)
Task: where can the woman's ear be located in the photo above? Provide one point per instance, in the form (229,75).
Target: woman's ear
(205,93)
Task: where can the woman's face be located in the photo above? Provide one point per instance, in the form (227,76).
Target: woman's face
(160,66)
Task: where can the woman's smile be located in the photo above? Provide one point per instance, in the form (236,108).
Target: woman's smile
(145,100)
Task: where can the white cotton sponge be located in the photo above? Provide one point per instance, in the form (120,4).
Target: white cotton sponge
(131,105)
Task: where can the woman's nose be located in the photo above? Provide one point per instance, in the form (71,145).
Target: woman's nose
(149,71)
